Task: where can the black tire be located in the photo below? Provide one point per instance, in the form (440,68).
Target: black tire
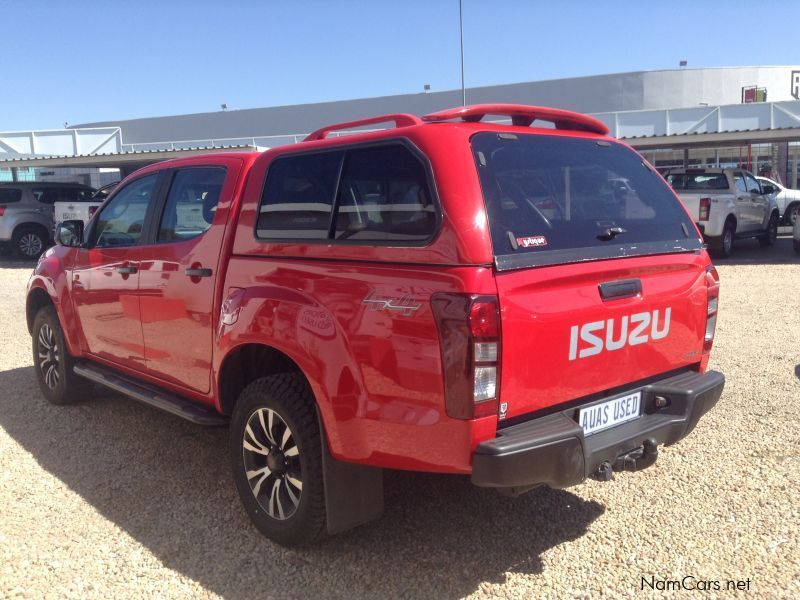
(771,236)
(722,246)
(797,246)
(791,214)
(29,241)
(285,512)
(52,362)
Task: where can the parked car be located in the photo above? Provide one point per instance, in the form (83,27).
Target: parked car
(448,295)
(82,207)
(727,204)
(26,213)
(788,200)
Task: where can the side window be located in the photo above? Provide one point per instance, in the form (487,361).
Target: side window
(121,221)
(191,203)
(384,197)
(9,195)
(739,181)
(48,195)
(298,197)
(752,184)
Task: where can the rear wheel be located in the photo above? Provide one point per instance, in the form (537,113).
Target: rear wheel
(792,213)
(276,454)
(53,363)
(769,238)
(723,245)
(29,241)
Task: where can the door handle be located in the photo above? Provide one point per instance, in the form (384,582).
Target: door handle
(127,270)
(198,272)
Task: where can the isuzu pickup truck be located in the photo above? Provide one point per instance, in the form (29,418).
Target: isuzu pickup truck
(727,204)
(523,304)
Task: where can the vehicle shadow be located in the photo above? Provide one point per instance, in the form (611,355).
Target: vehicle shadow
(797,371)
(750,252)
(166,482)
(9,262)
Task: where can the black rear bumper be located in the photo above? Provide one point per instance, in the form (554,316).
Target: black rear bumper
(553,450)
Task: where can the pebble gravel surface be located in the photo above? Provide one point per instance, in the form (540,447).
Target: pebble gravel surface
(111,499)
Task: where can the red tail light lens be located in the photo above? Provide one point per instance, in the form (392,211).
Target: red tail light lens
(469,337)
(92,210)
(712,283)
(705,208)
(2,210)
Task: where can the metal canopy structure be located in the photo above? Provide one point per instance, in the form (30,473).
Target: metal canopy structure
(733,124)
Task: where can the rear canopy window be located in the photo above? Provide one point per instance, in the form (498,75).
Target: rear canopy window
(9,195)
(374,194)
(384,196)
(298,197)
(698,181)
(578,196)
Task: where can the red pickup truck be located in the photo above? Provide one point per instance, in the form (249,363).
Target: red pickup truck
(524,303)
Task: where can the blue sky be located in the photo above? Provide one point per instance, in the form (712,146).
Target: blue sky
(83,61)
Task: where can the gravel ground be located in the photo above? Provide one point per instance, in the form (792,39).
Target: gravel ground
(109,498)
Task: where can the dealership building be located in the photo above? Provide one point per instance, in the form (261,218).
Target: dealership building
(731,116)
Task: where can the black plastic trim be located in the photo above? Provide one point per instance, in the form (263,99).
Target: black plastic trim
(150,394)
(553,450)
(623,288)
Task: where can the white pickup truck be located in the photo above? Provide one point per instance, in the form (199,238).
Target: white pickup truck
(727,204)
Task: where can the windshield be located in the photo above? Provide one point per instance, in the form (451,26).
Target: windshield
(698,181)
(546,194)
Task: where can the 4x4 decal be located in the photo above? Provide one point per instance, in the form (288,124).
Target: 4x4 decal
(406,305)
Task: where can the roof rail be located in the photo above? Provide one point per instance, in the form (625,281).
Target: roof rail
(521,115)
(399,120)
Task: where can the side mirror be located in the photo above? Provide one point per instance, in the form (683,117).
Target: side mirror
(69,233)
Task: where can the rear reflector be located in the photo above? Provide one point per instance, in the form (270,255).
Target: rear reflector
(2,210)
(469,338)
(705,208)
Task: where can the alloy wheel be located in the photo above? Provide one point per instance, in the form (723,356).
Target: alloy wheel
(30,244)
(272,463)
(727,241)
(48,356)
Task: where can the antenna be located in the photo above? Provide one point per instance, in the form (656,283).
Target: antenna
(461,30)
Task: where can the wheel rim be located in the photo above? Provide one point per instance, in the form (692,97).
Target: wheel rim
(727,241)
(48,356)
(773,230)
(793,215)
(272,463)
(30,244)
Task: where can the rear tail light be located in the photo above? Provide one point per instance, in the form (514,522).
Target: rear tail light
(469,337)
(705,208)
(712,283)
(92,210)
(2,210)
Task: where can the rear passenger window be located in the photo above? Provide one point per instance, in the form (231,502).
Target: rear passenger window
(9,195)
(47,195)
(191,203)
(298,197)
(384,197)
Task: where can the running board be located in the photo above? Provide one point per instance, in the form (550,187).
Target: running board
(149,394)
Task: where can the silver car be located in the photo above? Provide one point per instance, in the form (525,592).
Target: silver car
(26,213)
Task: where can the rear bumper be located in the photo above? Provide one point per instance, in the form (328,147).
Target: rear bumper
(553,450)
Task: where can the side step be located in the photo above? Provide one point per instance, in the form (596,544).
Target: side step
(150,394)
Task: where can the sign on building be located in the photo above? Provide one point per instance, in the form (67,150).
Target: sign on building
(796,84)
(753,94)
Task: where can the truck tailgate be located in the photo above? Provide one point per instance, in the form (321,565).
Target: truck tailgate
(562,341)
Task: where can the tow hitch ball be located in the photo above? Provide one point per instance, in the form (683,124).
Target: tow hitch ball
(635,460)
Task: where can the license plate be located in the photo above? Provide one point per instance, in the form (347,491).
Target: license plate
(68,216)
(610,413)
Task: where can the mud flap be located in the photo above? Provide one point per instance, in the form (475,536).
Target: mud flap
(353,493)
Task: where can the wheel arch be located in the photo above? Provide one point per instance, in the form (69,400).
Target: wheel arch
(247,362)
(37,299)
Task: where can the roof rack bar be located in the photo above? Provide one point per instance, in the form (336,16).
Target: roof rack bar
(399,120)
(522,115)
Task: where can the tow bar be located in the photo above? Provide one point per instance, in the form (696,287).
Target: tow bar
(635,460)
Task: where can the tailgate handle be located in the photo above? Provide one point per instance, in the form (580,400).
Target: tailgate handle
(624,288)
